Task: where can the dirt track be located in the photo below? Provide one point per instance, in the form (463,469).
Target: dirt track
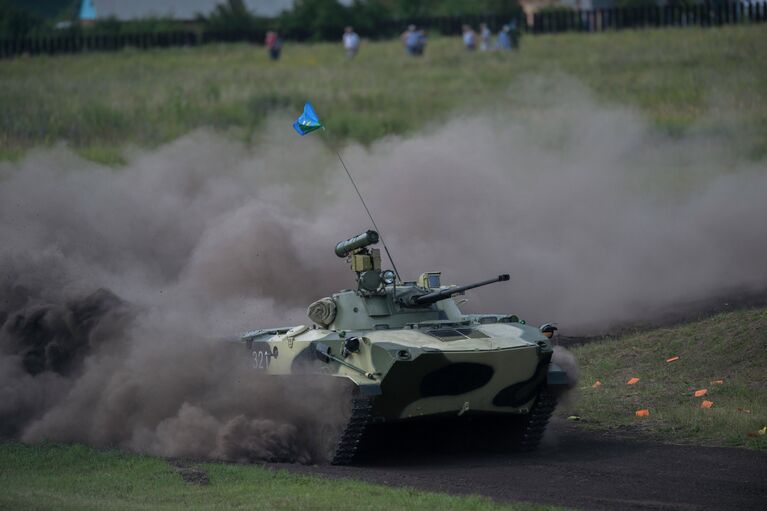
(580,469)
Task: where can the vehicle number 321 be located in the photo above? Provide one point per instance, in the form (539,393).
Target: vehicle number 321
(262,359)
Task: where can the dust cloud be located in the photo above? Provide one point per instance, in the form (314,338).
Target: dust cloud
(116,287)
(115,283)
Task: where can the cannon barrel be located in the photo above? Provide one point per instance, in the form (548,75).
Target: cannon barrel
(344,248)
(442,294)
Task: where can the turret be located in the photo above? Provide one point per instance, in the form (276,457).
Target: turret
(380,300)
(366,262)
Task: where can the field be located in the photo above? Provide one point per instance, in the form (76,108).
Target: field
(79,478)
(707,80)
(726,347)
(729,347)
(690,81)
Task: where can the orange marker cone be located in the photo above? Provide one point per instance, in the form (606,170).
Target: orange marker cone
(701,392)
(672,359)
(643,413)
(632,381)
(707,404)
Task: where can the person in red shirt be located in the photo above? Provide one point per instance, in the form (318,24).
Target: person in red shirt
(273,44)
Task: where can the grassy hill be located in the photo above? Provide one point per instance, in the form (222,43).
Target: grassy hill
(711,79)
(730,347)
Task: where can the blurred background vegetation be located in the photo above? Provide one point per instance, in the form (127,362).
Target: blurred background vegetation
(100,103)
(316,20)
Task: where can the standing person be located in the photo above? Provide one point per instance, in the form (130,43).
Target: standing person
(351,42)
(469,38)
(421,41)
(414,41)
(273,44)
(514,34)
(484,35)
(504,39)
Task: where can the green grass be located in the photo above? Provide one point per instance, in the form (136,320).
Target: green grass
(704,79)
(729,347)
(76,477)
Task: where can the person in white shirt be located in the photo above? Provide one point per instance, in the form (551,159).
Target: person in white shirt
(469,38)
(484,37)
(351,42)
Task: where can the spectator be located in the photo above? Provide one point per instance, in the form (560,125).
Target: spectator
(484,35)
(469,38)
(414,41)
(514,34)
(351,42)
(421,41)
(504,39)
(273,44)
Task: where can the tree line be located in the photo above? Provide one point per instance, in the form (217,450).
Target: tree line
(23,30)
(307,20)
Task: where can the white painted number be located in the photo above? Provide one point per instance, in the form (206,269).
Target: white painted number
(262,359)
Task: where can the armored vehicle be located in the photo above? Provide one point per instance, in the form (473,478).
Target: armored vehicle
(411,353)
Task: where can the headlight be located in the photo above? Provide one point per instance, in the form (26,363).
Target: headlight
(388,277)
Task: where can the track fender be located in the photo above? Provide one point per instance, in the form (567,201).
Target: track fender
(557,379)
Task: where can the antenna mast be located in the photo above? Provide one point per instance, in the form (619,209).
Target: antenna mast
(380,234)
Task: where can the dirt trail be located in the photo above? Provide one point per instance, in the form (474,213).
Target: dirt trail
(580,469)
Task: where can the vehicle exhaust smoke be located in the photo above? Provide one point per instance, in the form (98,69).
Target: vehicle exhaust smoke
(114,284)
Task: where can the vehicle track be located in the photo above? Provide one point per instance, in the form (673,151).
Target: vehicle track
(535,425)
(349,439)
(578,469)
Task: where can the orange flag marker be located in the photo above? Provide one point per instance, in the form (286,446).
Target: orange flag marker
(632,381)
(701,392)
(596,384)
(672,359)
(707,404)
(643,413)
(717,382)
